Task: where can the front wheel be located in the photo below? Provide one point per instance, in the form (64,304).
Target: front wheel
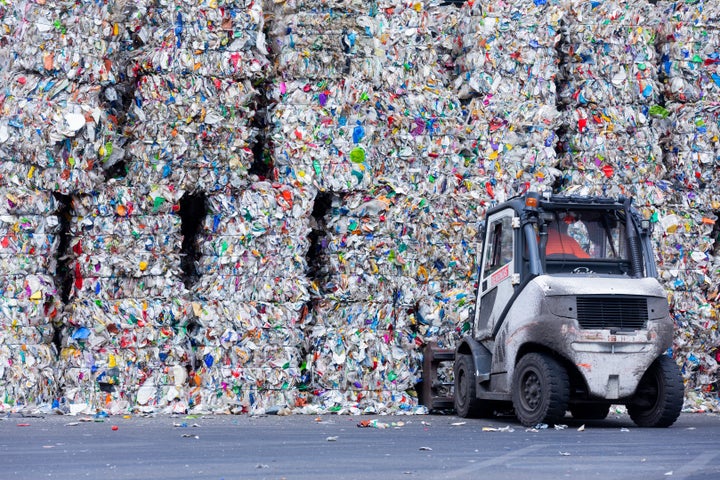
(541,390)
(466,402)
(659,397)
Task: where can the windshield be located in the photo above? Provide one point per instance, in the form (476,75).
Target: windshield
(585,235)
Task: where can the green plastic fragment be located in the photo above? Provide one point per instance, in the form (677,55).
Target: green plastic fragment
(157,203)
(658,111)
(357,155)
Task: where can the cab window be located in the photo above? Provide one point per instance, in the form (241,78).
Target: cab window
(586,235)
(500,245)
(586,241)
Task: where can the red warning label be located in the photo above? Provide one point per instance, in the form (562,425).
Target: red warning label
(500,275)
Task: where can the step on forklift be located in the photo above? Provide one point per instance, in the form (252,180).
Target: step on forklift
(569,316)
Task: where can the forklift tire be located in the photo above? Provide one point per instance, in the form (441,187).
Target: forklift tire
(659,397)
(466,403)
(541,390)
(590,411)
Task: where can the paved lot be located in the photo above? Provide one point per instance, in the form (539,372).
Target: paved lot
(335,447)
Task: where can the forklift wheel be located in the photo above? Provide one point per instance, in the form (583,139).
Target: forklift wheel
(659,396)
(466,403)
(541,390)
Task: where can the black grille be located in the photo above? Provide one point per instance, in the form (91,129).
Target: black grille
(621,313)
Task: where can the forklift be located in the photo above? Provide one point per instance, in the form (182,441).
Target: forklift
(569,316)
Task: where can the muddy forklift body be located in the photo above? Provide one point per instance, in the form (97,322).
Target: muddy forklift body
(569,316)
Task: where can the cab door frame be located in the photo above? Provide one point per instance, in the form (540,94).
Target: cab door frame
(497,275)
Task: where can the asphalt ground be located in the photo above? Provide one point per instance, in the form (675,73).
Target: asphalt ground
(338,447)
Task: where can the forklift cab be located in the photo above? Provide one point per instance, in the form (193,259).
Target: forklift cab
(531,236)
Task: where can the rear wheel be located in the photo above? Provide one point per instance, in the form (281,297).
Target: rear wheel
(466,402)
(590,411)
(541,390)
(659,397)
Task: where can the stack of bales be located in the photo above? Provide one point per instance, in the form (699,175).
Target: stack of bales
(610,96)
(686,237)
(364,112)
(361,94)
(58,127)
(124,339)
(433,183)
(375,107)
(29,303)
(200,67)
(191,121)
(322,125)
(688,45)
(250,297)
(60,110)
(395,274)
(507,69)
